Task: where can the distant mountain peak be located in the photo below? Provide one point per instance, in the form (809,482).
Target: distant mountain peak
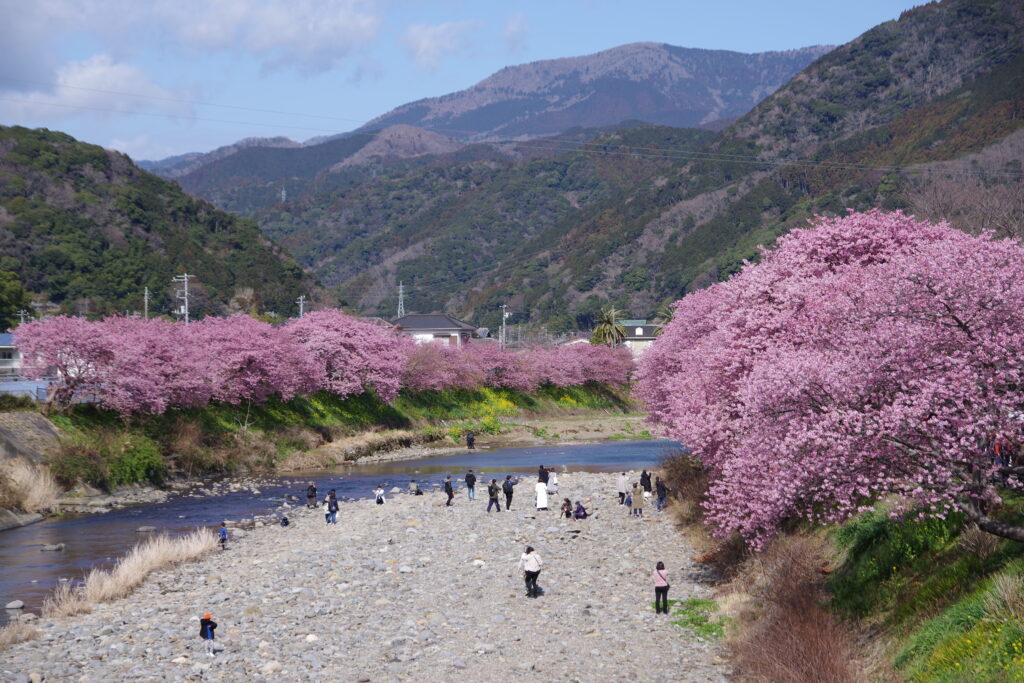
(401,141)
(653,82)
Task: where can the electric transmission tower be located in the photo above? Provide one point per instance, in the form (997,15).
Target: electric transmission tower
(401,300)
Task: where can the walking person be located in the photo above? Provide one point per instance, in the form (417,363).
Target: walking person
(542,495)
(661,586)
(471,485)
(222,536)
(311,496)
(332,507)
(449,491)
(623,488)
(638,500)
(492,495)
(530,563)
(206,628)
(508,487)
(379,494)
(662,491)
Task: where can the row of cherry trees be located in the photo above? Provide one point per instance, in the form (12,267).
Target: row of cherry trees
(136,366)
(867,356)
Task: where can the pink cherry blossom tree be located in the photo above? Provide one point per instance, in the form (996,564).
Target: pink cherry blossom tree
(436,367)
(869,355)
(350,355)
(72,351)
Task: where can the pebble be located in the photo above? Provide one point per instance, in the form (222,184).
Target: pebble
(299,603)
(14,604)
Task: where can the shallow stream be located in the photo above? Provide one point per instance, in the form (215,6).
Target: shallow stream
(29,574)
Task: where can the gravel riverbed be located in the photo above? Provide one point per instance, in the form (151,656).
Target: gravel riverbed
(409,590)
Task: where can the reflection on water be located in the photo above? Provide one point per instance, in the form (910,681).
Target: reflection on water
(94,540)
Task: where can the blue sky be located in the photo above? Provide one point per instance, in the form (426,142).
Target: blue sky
(159,77)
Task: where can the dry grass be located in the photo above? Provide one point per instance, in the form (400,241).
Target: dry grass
(66,601)
(794,638)
(16,632)
(130,571)
(1007,597)
(27,486)
(978,542)
(145,558)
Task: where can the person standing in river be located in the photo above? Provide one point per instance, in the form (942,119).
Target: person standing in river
(448,490)
(623,488)
(311,496)
(471,485)
(661,586)
(493,490)
(530,563)
(508,487)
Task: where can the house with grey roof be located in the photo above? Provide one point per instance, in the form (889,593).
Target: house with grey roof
(435,328)
(640,334)
(10,358)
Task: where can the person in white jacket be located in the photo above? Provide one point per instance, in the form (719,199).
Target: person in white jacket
(530,563)
(542,495)
(623,488)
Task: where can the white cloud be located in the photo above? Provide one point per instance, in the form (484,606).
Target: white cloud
(98,85)
(141,147)
(515,33)
(428,45)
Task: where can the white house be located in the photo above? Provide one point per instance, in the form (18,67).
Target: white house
(10,358)
(435,328)
(639,335)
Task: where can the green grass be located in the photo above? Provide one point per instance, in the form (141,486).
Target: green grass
(934,598)
(696,615)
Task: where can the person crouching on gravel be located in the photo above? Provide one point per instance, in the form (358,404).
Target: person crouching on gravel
(530,563)
(492,495)
(206,628)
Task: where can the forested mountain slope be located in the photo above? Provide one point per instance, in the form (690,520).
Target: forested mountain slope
(85,228)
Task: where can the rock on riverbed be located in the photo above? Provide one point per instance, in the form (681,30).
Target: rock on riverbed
(409,590)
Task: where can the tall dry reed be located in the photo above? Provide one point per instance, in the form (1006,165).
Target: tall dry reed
(29,487)
(16,632)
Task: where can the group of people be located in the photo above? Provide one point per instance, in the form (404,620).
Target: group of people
(494,490)
(633,497)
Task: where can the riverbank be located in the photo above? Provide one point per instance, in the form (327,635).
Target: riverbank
(407,590)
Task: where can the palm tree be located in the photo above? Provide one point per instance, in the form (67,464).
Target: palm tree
(608,330)
(663,317)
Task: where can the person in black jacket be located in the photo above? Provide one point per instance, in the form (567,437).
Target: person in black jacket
(542,475)
(507,487)
(645,481)
(492,494)
(471,485)
(662,491)
(206,628)
(449,490)
(311,496)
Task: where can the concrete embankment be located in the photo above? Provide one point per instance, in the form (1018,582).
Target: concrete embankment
(408,590)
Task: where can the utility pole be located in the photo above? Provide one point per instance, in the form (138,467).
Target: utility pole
(183,293)
(502,338)
(401,300)
(145,302)
(21,315)
(301,301)
(284,197)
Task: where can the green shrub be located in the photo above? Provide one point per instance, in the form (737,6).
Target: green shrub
(137,460)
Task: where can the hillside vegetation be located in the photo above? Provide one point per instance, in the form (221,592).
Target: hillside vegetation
(84,228)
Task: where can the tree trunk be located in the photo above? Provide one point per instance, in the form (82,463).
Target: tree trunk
(993,526)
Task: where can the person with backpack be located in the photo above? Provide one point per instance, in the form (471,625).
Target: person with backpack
(623,488)
(222,536)
(378,493)
(206,628)
(508,487)
(661,587)
(471,485)
(530,563)
(662,491)
(332,507)
(492,495)
(311,496)
(449,491)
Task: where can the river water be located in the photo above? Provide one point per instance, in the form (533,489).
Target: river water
(28,574)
